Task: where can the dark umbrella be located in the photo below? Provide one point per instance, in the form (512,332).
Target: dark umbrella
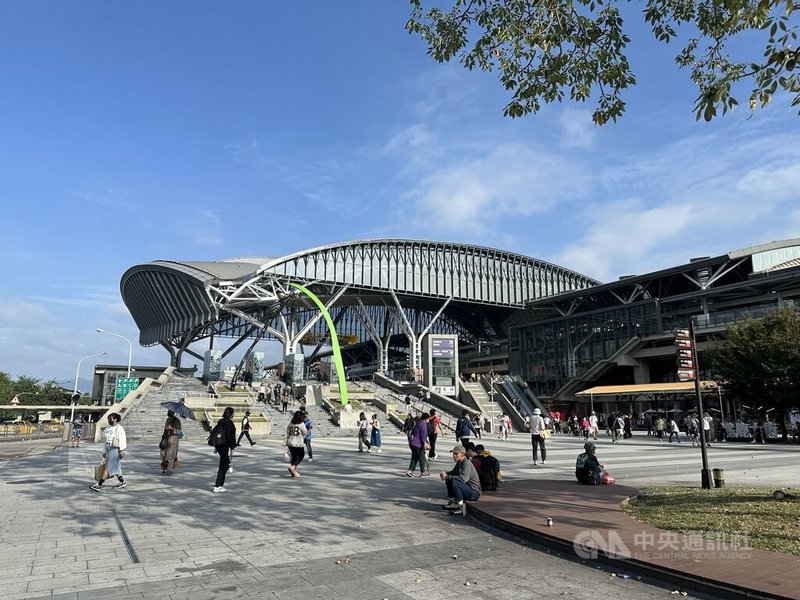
(180,409)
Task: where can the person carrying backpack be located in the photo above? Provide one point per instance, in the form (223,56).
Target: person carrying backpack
(223,438)
(464,427)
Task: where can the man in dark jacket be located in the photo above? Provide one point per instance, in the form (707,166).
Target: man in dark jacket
(464,427)
(462,482)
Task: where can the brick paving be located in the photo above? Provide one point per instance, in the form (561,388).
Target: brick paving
(353,527)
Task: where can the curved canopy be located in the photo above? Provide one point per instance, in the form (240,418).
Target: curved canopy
(177,302)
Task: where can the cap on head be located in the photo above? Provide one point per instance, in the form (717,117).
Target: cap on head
(460,449)
(589,447)
(247,412)
(536,411)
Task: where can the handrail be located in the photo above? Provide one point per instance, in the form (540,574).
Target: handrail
(131,399)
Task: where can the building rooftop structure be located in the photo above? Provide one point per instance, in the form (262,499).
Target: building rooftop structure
(374,289)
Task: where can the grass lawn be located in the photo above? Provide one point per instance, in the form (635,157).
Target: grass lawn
(769,524)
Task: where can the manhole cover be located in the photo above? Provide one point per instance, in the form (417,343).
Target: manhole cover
(24,481)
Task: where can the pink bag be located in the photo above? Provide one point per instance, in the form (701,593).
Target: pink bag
(608,479)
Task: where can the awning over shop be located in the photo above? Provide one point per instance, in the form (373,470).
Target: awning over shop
(648,388)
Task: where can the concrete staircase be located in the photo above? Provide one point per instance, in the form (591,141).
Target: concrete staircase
(240,400)
(484,402)
(145,421)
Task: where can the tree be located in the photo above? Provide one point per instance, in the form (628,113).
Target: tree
(760,359)
(546,49)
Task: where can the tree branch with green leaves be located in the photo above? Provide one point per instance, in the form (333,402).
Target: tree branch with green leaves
(546,50)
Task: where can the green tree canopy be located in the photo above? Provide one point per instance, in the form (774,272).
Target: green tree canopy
(546,49)
(760,360)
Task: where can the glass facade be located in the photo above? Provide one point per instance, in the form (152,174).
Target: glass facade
(550,353)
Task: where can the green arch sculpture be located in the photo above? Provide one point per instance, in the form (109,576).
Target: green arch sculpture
(337,354)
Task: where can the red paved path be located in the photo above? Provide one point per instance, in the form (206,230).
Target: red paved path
(593,514)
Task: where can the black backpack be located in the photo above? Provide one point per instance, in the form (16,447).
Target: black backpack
(218,437)
(490,468)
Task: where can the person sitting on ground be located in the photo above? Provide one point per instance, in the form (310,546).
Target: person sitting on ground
(489,470)
(462,482)
(587,468)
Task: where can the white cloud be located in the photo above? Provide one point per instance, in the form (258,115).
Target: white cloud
(702,194)
(107,197)
(202,226)
(478,192)
(577,128)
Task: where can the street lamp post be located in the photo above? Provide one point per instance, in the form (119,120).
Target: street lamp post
(130,346)
(77,374)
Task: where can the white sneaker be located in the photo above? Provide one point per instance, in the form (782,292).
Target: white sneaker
(379,450)
(230,469)
(310,460)
(219,490)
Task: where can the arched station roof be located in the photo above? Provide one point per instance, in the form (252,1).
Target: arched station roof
(176,302)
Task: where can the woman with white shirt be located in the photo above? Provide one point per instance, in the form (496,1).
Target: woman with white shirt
(114,452)
(537,441)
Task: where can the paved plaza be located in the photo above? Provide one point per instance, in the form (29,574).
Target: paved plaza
(352,527)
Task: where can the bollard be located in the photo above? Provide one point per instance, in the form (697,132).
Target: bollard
(719,478)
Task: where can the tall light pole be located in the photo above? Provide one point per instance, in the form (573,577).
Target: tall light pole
(130,346)
(77,374)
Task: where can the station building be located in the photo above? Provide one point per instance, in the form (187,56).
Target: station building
(554,330)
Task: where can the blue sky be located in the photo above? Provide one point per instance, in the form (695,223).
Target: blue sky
(195,130)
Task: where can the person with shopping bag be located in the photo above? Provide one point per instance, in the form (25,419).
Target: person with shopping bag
(115,446)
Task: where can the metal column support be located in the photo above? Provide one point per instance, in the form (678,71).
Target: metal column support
(415,339)
(381,343)
(413,348)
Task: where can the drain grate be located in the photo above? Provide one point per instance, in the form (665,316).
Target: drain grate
(25,481)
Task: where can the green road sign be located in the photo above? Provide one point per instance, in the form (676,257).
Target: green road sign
(125,385)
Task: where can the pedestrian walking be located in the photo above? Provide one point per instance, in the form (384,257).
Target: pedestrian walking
(363,430)
(673,430)
(375,436)
(307,437)
(114,451)
(223,438)
(295,441)
(464,427)
(593,428)
(707,429)
(537,439)
(77,431)
(418,442)
(169,440)
(693,430)
(505,423)
(434,429)
(245,430)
